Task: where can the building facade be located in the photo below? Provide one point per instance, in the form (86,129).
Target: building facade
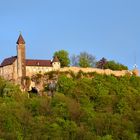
(17,67)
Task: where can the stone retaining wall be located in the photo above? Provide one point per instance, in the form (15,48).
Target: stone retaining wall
(99,71)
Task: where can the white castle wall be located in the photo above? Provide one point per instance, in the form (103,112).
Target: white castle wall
(56,65)
(7,72)
(99,71)
(31,70)
(10,72)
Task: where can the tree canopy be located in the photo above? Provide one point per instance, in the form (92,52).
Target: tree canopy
(105,64)
(84,60)
(63,57)
(115,66)
(97,108)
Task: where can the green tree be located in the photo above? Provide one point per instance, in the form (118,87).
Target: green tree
(63,57)
(102,107)
(86,60)
(114,66)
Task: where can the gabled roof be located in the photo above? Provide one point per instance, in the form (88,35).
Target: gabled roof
(8,61)
(55,59)
(29,62)
(20,40)
(44,63)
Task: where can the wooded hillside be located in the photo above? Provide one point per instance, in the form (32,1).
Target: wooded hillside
(98,108)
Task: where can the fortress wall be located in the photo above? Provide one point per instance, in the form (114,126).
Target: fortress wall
(99,71)
(15,74)
(31,70)
(7,72)
(56,65)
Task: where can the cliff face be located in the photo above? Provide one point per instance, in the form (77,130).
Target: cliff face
(40,80)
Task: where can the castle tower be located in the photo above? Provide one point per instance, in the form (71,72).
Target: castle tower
(56,63)
(21,62)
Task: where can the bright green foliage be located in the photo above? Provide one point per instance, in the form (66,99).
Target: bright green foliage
(86,60)
(7,89)
(63,57)
(114,66)
(107,137)
(107,105)
(65,84)
(98,108)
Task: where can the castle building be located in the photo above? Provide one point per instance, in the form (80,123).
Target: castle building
(17,67)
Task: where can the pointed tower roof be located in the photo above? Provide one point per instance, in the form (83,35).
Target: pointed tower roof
(20,40)
(55,59)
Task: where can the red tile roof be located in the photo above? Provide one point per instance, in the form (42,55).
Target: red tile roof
(45,63)
(20,40)
(29,62)
(8,61)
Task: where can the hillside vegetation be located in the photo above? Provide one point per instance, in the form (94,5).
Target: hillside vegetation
(98,108)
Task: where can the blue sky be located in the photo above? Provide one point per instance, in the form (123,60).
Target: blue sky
(104,28)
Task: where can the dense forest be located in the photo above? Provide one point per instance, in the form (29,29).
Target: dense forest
(98,107)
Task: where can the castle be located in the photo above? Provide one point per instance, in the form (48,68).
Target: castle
(17,67)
